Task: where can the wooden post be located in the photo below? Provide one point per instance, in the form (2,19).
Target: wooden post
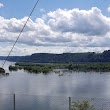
(69,103)
(14,101)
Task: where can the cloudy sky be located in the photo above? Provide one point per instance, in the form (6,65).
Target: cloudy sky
(56,26)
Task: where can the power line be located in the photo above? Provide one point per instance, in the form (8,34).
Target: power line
(20,33)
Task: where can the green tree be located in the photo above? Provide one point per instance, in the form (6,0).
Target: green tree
(82,105)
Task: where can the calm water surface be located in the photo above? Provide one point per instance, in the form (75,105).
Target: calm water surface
(70,84)
(51,92)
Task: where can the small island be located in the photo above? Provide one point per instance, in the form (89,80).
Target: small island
(2,71)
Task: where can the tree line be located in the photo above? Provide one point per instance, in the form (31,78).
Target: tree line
(62,58)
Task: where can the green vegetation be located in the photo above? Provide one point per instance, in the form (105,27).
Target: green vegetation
(46,68)
(82,105)
(97,67)
(37,68)
(13,68)
(2,70)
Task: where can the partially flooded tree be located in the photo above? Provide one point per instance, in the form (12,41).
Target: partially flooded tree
(2,70)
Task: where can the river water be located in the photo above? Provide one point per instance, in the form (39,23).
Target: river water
(74,84)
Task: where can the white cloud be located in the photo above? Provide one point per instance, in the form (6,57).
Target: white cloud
(108,9)
(42,10)
(1,5)
(62,31)
(90,22)
(28,50)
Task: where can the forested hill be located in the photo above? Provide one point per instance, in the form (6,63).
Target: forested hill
(62,58)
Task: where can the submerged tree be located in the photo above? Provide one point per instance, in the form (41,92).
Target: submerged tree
(2,70)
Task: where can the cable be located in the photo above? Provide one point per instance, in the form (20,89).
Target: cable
(20,33)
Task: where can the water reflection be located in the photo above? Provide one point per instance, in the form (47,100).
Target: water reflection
(73,84)
(70,84)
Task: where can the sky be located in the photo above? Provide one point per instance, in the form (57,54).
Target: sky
(55,26)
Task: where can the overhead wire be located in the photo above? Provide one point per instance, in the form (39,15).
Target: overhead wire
(20,33)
